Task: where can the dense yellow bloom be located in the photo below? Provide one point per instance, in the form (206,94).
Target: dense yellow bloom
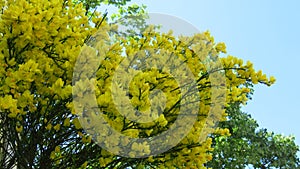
(119,77)
(141,85)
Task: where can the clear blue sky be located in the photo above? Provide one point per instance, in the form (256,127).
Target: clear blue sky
(264,32)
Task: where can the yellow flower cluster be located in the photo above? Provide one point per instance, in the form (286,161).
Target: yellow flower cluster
(40,41)
(124,92)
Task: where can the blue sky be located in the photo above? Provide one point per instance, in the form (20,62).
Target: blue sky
(264,32)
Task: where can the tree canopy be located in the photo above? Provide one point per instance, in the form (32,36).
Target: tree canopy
(249,145)
(48,121)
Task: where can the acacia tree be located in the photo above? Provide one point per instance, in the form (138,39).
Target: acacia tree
(40,128)
(249,145)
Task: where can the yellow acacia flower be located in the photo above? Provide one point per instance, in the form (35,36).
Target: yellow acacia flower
(221,47)
(272,80)
(162,120)
(57,127)
(77,123)
(132,133)
(49,126)
(57,149)
(86,139)
(67,122)
(19,128)
(52,155)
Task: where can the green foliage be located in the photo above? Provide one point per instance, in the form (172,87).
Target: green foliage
(131,19)
(249,145)
(92,4)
